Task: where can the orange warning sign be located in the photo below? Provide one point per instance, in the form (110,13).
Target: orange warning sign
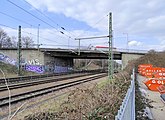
(142,67)
(153,83)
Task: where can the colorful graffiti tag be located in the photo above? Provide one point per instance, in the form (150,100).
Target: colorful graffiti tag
(34,65)
(34,62)
(35,68)
(59,69)
(6,59)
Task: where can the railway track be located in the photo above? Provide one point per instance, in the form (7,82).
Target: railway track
(4,101)
(36,77)
(42,81)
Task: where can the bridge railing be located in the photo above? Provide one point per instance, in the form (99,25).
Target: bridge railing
(131,50)
(127,109)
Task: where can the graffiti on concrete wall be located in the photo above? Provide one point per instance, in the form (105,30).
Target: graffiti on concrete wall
(31,65)
(34,65)
(34,62)
(60,69)
(35,68)
(7,60)
(49,68)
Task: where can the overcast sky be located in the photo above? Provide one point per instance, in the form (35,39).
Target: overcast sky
(140,23)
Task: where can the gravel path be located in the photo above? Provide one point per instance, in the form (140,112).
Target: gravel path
(158,110)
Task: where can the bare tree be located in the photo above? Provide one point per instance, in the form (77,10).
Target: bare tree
(11,42)
(27,42)
(14,42)
(3,37)
(7,42)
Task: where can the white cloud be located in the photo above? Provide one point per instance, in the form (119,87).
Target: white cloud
(134,43)
(135,17)
(132,16)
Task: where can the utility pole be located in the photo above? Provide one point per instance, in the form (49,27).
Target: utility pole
(19,51)
(79,47)
(110,57)
(38,32)
(127,46)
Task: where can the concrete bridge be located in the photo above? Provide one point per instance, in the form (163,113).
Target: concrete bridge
(65,57)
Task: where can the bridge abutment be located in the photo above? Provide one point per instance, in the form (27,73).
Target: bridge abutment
(126,57)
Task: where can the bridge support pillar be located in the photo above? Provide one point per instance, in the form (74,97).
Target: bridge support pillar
(126,57)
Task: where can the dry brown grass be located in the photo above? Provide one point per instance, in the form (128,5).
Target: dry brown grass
(91,103)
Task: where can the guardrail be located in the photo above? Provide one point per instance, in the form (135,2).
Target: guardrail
(127,109)
(105,51)
(131,50)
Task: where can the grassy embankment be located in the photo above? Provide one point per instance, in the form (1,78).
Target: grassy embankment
(12,71)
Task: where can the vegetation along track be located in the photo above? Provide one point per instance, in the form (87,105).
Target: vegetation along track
(34,93)
(42,81)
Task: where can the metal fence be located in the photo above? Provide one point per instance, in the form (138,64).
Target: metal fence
(127,109)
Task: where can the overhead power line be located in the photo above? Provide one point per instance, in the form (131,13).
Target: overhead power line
(93,25)
(34,16)
(8,26)
(26,23)
(61,32)
(49,18)
(29,33)
(22,21)
(16,18)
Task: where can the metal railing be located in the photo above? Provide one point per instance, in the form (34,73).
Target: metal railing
(127,109)
(131,50)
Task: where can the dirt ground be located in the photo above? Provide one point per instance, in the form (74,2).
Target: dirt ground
(158,110)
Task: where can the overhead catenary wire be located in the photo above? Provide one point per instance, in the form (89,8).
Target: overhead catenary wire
(39,19)
(45,21)
(27,23)
(29,33)
(37,35)
(49,18)
(91,28)
(93,25)
(7,26)
(34,16)
(16,18)
(30,13)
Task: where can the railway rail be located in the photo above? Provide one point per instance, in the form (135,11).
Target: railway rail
(32,77)
(32,82)
(4,101)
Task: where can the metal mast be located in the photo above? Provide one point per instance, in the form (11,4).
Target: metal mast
(19,51)
(110,57)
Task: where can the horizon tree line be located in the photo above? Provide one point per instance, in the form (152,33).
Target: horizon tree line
(7,41)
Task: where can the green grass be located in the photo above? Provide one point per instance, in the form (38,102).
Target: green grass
(104,82)
(12,71)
